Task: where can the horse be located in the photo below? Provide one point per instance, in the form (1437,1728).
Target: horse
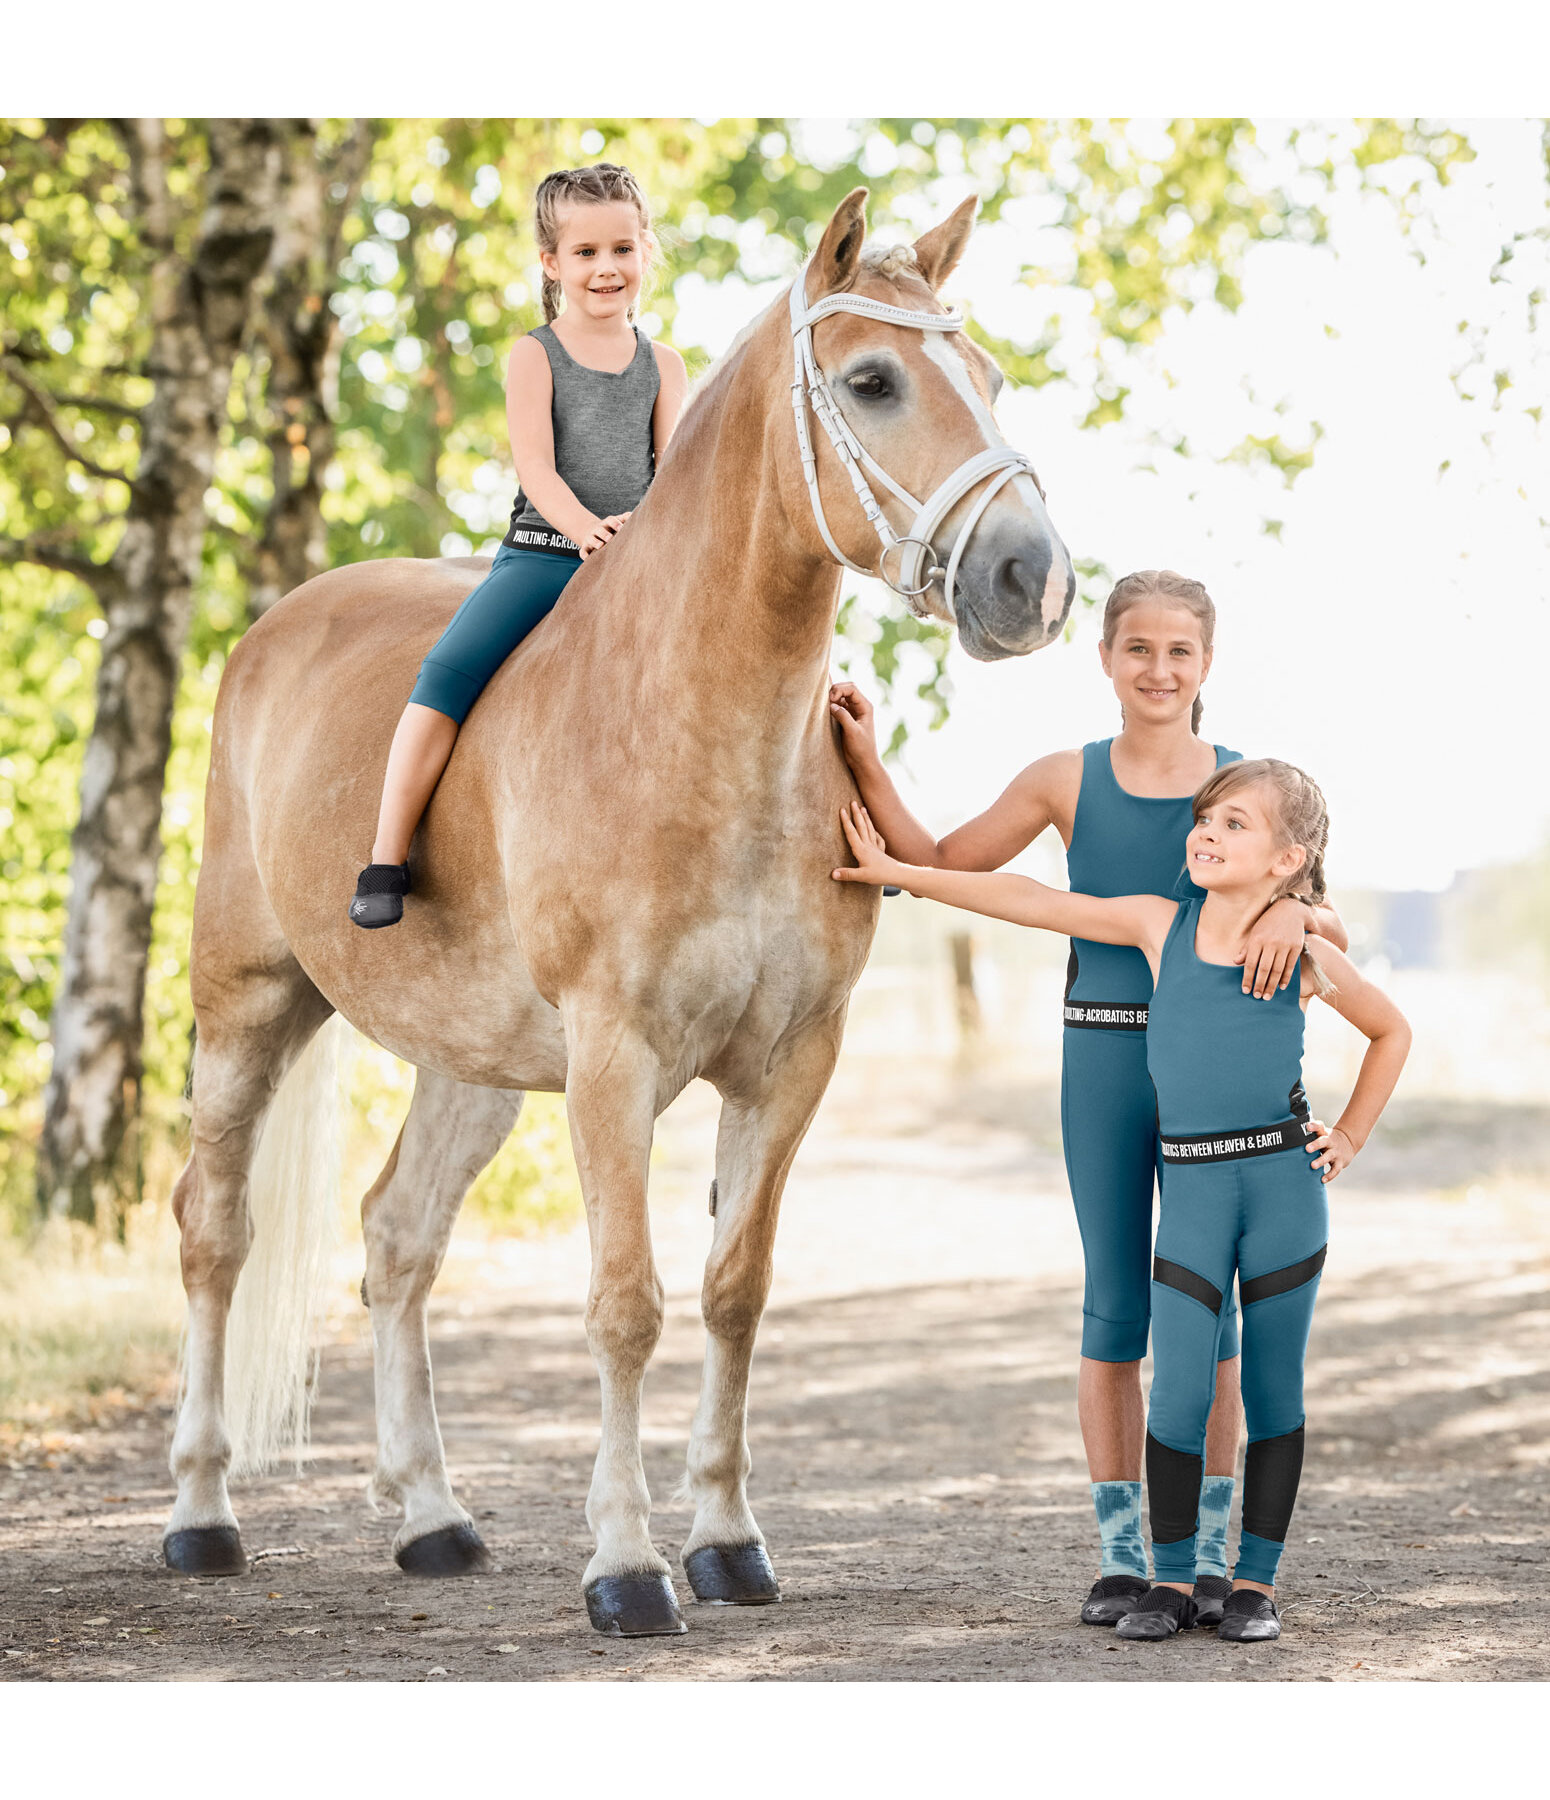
(621,884)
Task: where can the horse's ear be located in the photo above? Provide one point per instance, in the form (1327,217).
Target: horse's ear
(937,253)
(838,255)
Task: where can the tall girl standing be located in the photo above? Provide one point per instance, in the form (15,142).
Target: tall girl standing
(1122,808)
(590,405)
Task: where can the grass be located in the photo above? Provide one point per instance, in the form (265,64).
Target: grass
(89,1328)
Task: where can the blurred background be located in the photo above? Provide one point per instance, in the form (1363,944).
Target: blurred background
(1302,361)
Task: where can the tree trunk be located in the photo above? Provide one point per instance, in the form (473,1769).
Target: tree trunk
(300,333)
(199,306)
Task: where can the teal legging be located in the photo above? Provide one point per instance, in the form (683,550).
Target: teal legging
(1265,1219)
(1108,1124)
(520,590)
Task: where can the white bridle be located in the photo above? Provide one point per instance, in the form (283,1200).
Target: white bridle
(809,388)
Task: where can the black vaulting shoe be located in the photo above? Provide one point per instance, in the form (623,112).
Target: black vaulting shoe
(1249,1617)
(1112,1597)
(1211,1593)
(1163,1613)
(379,895)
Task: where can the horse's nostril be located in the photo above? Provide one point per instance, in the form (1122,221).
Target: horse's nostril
(1010,583)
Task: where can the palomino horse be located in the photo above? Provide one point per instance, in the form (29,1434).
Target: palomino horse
(621,883)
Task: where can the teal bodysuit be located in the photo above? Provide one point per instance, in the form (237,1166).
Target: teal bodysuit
(1240,1196)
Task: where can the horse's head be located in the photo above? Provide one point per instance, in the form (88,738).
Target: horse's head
(916,403)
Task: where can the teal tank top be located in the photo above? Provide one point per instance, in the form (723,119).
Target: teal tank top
(1123,843)
(1220,1059)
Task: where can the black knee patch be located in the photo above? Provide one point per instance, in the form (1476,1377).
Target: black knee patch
(1271,1472)
(1282,1281)
(1186,1281)
(1173,1491)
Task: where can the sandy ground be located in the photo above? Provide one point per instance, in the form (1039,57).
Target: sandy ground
(917,1469)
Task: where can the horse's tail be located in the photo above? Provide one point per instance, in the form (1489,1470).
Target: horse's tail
(293,1197)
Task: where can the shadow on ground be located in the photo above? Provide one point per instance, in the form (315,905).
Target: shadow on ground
(916,1471)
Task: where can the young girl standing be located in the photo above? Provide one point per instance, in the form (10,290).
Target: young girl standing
(590,404)
(1237,1198)
(1122,808)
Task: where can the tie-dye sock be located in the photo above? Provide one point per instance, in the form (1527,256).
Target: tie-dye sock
(1118,1506)
(1216,1493)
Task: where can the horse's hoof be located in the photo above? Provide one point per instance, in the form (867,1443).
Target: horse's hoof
(738,1576)
(454,1550)
(634,1606)
(205,1550)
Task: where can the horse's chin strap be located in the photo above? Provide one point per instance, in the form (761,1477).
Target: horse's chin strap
(917,567)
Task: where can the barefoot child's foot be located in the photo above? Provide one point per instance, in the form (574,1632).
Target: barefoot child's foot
(379,893)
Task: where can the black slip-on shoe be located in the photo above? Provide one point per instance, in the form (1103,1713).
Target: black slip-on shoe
(1249,1617)
(379,895)
(1112,1597)
(1163,1613)
(1211,1593)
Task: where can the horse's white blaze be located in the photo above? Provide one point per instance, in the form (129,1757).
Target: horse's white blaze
(956,370)
(1020,488)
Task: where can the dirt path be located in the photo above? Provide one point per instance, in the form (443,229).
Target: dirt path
(917,1468)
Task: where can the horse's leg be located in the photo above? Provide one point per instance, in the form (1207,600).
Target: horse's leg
(266,1016)
(451,1132)
(724,1555)
(612,1095)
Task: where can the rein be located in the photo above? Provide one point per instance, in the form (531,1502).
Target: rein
(915,573)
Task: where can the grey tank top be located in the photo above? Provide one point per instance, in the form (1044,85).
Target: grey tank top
(602,440)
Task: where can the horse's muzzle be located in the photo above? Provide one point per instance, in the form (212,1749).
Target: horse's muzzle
(1013,594)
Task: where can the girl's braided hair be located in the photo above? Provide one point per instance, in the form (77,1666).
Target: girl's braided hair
(597,183)
(1299,816)
(1176,590)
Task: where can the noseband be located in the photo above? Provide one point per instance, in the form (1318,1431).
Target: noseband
(916,567)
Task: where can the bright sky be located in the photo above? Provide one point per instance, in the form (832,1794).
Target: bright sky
(1390,640)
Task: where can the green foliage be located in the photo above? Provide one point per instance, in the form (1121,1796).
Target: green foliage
(1127,223)
(50,662)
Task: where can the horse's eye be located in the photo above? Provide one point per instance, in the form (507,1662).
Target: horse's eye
(868,385)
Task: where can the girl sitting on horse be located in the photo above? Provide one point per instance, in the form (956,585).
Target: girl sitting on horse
(1232,1114)
(590,404)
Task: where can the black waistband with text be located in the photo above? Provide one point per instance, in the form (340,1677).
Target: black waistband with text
(1105,1015)
(1228,1146)
(533,537)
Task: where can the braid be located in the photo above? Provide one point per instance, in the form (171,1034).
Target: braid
(564,188)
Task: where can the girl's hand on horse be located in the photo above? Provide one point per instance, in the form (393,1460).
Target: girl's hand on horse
(852,712)
(873,863)
(601,533)
(1337,1148)
(1275,944)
